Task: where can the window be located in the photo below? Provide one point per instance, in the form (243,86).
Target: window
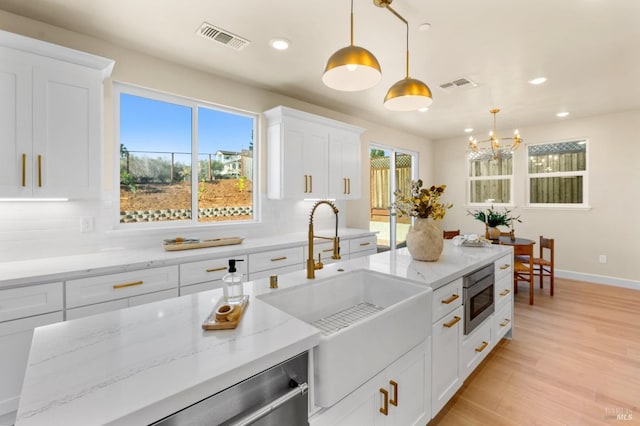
(557,174)
(490,179)
(183,161)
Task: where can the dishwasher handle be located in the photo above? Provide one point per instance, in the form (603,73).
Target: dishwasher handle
(271,406)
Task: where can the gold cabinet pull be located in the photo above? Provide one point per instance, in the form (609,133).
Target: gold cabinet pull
(117,286)
(344,181)
(276,259)
(40,170)
(505,266)
(327,250)
(450,299)
(364,244)
(348,185)
(385,405)
(222,268)
(453,322)
(505,322)
(394,401)
(24,169)
(310,184)
(482,346)
(306,184)
(505,292)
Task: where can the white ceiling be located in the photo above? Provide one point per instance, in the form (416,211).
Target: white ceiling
(588,49)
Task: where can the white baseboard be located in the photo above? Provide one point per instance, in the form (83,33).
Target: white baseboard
(598,279)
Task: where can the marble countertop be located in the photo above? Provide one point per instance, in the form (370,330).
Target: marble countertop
(27,272)
(143,363)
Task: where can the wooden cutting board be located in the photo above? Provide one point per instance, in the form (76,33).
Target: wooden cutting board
(177,244)
(225,316)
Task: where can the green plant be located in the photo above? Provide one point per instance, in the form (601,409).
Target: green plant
(127,181)
(241,183)
(494,218)
(201,189)
(421,202)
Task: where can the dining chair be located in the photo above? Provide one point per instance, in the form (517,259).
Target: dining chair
(543,265)
(450,234)
(523,267)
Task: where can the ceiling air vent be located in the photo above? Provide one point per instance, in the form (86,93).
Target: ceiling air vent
(459,83)
(221,36)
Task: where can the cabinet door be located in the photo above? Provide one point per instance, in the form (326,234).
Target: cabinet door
(15,125)
(15,341)
(408,387)
(344,165)
(66,131)
(446,378)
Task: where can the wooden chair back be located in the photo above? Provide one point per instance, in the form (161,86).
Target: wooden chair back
(447,235)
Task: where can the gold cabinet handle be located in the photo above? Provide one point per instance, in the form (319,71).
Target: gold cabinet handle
(310,184)
(348,185)
(394,401)
(306,184)
(327,250)
(276,259)
(482,346)
(450,299)
(40,170)
(117,286)
(453,322)
(505,322)
(24,169)
(364,244)
(222,268)
(344,181)
(505,266)
(385,405)
(505,292)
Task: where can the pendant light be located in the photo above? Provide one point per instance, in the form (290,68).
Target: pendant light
(408,94)
(492,145)
(352,68)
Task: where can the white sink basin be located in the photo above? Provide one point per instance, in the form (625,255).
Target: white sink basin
(368,320)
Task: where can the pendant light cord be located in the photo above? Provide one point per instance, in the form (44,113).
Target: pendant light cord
(407,24)
(351,22)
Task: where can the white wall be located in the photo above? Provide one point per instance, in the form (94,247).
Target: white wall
(55,229)
(610,227)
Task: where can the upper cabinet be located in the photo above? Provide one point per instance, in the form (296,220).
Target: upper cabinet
(311,156)
(51,119)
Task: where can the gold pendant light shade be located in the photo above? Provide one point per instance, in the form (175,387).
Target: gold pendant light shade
(352,68)
(408,94)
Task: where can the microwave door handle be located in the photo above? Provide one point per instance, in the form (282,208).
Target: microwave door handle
(270,406)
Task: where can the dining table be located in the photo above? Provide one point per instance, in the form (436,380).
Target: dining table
(517,241)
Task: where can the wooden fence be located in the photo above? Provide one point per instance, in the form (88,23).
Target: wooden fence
(380,182)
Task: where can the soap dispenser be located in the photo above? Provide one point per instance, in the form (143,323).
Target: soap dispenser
(233,283)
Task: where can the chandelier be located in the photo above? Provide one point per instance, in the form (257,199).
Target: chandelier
(492,145)
(354,68)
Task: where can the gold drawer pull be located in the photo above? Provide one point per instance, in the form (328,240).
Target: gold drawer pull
(482,347)
(505,292)
(40,170)
(505,322)
(117,286)
(327,250)
(345,185)
(222,268)
(453,322)
(310,184)
(24,169)
(385,406)
(505,266)
(394,401)
(306,184)
(364,244)
(276,259)
(348,185)
(450,299)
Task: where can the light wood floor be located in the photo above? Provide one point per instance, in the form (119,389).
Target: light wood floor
(574,360)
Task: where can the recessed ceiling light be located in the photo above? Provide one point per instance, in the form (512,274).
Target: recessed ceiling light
(537,80)
(423,109)
(425,27)
(468,130)
(279,43)
(562,114)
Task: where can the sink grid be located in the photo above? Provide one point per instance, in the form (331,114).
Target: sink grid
(346,317)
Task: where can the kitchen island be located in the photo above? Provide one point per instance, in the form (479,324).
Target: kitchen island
(140,364)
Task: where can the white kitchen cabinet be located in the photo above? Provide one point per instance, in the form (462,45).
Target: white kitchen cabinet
(399,395)
(103,288)
(502,321)
(363,246)
(51,112)
(278,261)
(302,152)
(446,377)
(476,346)
(207,274)
(325,250)
(344,165)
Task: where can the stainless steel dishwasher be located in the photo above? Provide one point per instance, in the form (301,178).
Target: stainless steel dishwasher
(277,396)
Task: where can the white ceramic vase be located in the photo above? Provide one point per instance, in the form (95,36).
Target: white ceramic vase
(425,240)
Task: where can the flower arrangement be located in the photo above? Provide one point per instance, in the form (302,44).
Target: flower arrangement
(493,218)
(421,202)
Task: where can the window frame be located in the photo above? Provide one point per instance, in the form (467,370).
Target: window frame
(584,173)
(129,89)
(510,178)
